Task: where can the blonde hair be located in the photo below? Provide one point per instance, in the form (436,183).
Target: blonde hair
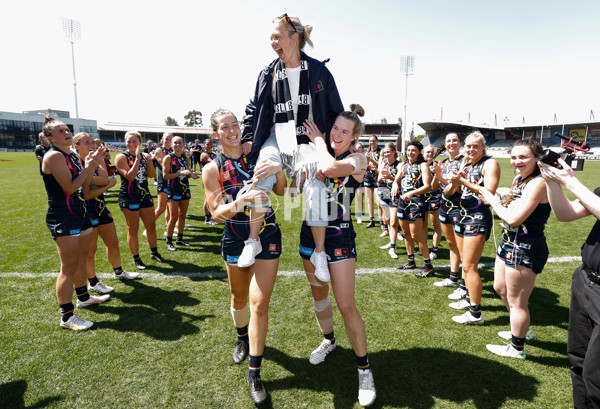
(303,31)
(478,136)
(133,133)
(79,136)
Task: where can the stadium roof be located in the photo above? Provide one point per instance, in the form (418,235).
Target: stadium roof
(455,126)
(124,127)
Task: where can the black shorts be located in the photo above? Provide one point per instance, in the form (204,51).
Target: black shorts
(432,202)
(67,226)
(161,187)
(186,196)
(385,197)
(475,223)
(411,210)
(450,217)
(369,182)
(195,158)
(529,252)
(103,218)
(232,242)
(147,201)
(339,242)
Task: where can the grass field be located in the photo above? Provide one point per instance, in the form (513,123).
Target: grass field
(166,340)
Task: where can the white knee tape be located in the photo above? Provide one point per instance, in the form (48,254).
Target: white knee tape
(322,304)
(240,317)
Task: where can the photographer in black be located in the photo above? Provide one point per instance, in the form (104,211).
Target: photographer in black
(583,345)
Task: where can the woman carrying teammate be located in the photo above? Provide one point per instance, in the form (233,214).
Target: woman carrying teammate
(64,175)
(135,199)
(176,172)
(412,181)
(387,174)
(523,251)
(475,221)
(432,203)
(102,220)
(229,191)
(450,212)
(344,172)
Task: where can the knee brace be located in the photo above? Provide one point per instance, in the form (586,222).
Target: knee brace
(240,317)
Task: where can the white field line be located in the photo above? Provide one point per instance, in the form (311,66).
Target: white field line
(221,274)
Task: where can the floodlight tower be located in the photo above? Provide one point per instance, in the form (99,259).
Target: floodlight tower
(407,66)
(72,32)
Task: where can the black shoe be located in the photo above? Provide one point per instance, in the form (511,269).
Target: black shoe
(370,224)
(156,256)
(426,271)
(171,247)
(258,393)
(139,264)
(240,352)
(409,265)
(182,242)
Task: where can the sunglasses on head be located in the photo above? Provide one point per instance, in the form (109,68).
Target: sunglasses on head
(288,20)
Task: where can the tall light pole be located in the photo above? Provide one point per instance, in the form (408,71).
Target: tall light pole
(407,66)
(72,32)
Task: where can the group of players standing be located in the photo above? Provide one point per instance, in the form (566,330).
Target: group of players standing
(299,91)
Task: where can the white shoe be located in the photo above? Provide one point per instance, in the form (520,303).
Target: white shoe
(187,225)
(319,260)
(144,233)
(457,294)
(75,323)
(384,233)
(366,387)
(459,305)
(93,300)
(318,355)
(165,233)
(392,253)
(386,246)
(400,237)
(506,350)
(446,282)
(468,319)
(100,288)
(252,248)
(212,222)
(126,275)
(507,335)
(155,183)
(432,255)
(358,219)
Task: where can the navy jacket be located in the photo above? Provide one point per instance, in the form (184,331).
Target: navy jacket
(326,104)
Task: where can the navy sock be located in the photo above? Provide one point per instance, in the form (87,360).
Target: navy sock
(82,293)
(254,365)
(94,280)
(475,310)
(179,236)
(170,239)
(462,285)
(411,258)
(517,343)
(67,311)
(330,337)
(427,262)
(136,257)
(242,333)
(453,277)
(119,270)
(392,245)
(434,250)
(363,362)
(153,250)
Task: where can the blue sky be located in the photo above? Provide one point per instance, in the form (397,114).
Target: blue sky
(143,61)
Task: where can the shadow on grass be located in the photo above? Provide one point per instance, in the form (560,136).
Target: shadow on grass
(12,396)
(412,378)
(152,311)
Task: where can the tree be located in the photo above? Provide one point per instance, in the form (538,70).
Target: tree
(384,120)
(193,118)
(171,122)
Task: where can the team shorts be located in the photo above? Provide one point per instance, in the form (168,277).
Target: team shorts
(186,196)
(232,244)
(67,226)
(161,187)
(529,252)
(432,202)
(125,203)
(411,210)
(103,218)
(474,224)
(369,182)
(385,197)
(451,217)
(339,242)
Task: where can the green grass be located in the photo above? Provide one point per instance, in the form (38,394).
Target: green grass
(166,341)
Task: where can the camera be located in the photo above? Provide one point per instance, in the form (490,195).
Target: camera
(551,158)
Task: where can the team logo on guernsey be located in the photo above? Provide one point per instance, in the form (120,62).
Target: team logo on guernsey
(344,225)
(226,176)
(320,87)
